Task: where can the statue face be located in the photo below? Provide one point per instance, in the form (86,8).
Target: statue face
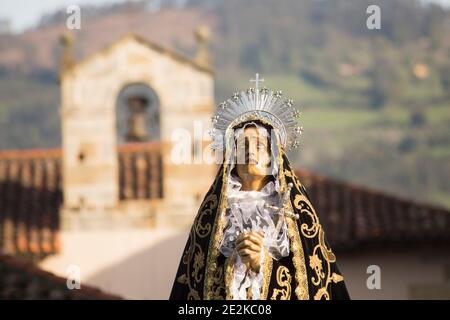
(253,154)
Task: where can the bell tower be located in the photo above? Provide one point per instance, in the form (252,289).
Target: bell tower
(120,108)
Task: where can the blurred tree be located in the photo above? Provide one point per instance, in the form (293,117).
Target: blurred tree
(433,25)
(445,78)
(388,76)
(418,119)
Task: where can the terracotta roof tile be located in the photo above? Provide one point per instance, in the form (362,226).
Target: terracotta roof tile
(353,216)
(31,193)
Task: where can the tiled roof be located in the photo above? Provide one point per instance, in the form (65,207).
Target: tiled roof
(20,279)
(353,216)
(31,194)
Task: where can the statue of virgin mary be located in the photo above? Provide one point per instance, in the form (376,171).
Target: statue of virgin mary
(256,235)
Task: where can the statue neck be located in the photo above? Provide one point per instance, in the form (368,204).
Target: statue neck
(254,183)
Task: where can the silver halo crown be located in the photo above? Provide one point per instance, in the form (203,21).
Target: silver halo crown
(253,104)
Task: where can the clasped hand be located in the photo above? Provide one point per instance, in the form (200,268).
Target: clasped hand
(248,246)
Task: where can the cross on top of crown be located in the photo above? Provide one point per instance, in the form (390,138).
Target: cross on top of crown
(257,80)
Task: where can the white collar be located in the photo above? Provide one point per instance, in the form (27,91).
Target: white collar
(235,186)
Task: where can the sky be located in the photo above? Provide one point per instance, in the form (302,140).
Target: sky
(24,14)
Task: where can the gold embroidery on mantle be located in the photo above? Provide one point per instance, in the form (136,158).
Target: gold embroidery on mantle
(296,246)
(195,253)
(268,263)
(298,259)
(212,277)
(320,267)
(229,269)
(337,277)
(284,281)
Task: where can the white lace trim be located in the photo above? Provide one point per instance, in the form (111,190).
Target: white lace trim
(242,217)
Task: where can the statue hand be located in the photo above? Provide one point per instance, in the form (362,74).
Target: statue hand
(248,246)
